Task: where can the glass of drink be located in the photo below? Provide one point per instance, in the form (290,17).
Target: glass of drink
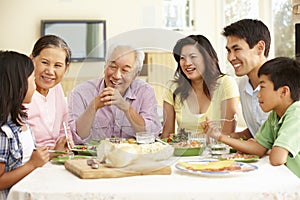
(217,148)
(145,137)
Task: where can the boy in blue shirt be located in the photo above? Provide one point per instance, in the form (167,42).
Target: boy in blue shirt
(279,93)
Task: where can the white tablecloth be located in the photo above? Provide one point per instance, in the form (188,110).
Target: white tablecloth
(55,182)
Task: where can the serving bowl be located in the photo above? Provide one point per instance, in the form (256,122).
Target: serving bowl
(193,148)
(188,151)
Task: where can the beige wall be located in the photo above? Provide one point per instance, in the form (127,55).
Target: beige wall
(20,24)
(20,19)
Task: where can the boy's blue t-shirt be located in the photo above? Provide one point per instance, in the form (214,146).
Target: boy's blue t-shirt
(285,133)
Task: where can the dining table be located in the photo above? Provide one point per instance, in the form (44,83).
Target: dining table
(53,181)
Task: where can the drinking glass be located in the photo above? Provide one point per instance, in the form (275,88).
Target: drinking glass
(197,136)
(217,148)
(145,137)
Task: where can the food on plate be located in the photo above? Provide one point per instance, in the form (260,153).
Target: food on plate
(188,148)
(181,136)
(131,140)
(219,148)
(89,150)
(63,158)
(189,144)
(240,157)
(213,166)
(81,147)
(123,154)
(232,150)
(156,151)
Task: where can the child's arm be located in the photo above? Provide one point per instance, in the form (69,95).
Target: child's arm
(249,146)
(278,155)
(39,157)
(244,134)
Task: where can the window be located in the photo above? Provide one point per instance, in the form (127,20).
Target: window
(239,9)
(177,14)
(284,36)
(280,21)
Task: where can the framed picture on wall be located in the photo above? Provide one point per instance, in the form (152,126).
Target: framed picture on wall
(86,38)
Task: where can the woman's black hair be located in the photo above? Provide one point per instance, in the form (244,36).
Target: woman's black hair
(212,70)
(50,41)
(15,68)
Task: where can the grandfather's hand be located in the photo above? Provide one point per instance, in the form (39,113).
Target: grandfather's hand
(110,96)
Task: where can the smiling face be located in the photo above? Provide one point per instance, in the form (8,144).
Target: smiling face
(268,98)
(120,70)
(50,68)
(242,58)
(191,62)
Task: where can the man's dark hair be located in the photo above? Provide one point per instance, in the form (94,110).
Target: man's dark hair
(252,31)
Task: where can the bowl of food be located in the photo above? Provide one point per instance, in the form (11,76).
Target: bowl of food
(192,148)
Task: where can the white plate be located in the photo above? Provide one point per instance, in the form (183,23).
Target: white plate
(245,169)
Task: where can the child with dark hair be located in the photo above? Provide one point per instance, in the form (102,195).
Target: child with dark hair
(18,154)
(279,93)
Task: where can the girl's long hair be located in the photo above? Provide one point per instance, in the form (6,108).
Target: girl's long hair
(15,68)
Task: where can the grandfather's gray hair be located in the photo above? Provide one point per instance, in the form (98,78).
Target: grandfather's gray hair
(139,55)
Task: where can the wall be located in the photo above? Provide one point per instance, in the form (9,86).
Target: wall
(20,20)
(136,21)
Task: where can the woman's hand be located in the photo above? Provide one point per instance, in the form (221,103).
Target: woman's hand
(211,128)
(61,144)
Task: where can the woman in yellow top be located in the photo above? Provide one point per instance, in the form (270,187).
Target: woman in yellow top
(199,89)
